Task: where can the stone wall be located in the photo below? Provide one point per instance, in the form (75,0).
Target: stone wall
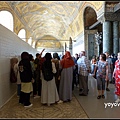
(10,46)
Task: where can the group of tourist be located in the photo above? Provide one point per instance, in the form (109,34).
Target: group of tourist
(105,69)
(66,72)
(32,80)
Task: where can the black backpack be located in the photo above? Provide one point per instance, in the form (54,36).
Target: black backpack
(47,73)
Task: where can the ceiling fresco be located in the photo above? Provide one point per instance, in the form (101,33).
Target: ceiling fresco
(46,17)
(52,19)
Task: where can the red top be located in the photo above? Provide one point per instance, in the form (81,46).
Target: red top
(117,77)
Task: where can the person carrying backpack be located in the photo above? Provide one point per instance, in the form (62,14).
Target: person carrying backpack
(26,79)
(49,93)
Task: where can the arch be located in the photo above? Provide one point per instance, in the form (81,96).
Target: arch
(22,34)
(45,37)
(5,15)
(92,7)
(48,41)
(90,17)
(30,41)
(88,5)
(90,27)
(33,44)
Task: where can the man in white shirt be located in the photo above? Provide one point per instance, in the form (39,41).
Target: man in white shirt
(83,71)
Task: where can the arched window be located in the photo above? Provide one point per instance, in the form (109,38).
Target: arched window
(22,34)
(6,19)
(30,41)
(33,45)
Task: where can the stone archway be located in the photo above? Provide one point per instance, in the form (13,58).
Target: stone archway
(91,27)
(50,43)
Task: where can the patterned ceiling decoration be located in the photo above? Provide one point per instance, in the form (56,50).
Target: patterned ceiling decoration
(46,17)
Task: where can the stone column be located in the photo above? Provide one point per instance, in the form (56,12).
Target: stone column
(70,45)
(115,37)
(107,37)
(65,47)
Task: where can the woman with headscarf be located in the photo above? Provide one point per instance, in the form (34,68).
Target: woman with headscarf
(67,66)
(49,93)
(26,80)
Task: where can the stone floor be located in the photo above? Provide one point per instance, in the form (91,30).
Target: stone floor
(13,109)
(99,108)
(87,107)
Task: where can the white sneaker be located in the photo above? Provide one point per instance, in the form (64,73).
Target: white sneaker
(28,106)
(118,100)
(36,96)
(60,101)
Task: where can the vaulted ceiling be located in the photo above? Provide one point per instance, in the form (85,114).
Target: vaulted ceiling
(50,19)
(46,18)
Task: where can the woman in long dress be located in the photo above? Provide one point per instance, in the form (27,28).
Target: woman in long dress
(65,88)
(49,93)
(116,75)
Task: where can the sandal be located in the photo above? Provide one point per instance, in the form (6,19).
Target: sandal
(103,96)
(99,96)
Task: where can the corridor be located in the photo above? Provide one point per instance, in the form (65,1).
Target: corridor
(87,107)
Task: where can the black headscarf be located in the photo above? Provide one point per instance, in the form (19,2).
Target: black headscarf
(55,55)
(47,61)
(25,68)
(24,55)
